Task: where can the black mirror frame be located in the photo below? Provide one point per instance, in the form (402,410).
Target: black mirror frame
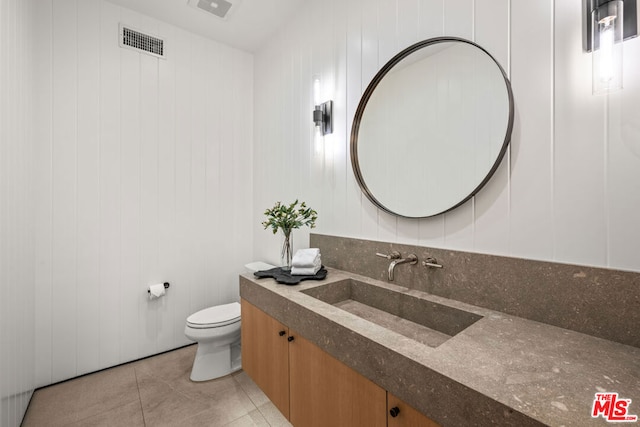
(371,88)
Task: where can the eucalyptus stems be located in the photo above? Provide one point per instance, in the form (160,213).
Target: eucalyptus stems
(286,218)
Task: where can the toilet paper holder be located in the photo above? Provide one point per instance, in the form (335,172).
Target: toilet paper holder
(166,286)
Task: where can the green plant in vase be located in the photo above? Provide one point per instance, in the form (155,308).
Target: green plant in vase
(287,218)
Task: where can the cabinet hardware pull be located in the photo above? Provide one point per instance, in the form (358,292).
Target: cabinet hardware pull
(291,338)
(282,333)
(394,411)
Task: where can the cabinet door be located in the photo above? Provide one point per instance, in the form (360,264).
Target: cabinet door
(325,392)
(406,416)
(265,356)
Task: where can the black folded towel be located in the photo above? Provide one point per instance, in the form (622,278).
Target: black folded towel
(286,278)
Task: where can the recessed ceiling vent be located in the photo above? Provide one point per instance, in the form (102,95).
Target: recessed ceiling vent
(219,8)
(141,42)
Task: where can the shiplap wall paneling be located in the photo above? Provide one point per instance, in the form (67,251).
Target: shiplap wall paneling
(209,121)
(167,310)
(226,234)
(241,233)
(88,191)
(459,223)
(531,209)
(110,177)
(459,18)
(139,174)
(198,172)
(431,24)
(340,145)
(131,280)
(387,31)
(559,193)
(580,164)
(43,193)
(623,156)
(211,116)
(17,347)
(492,215)
(182,158)
(369,67)
(407,33)
(302,95)
(150,269)
(353,72)
(320,53)
(64,183)
(263,153)
(270,162)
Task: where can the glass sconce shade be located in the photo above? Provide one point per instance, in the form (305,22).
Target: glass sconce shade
(316,90)
(607,36)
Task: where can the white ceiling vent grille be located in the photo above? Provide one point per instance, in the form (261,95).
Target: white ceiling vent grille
(141,42)
(220,8)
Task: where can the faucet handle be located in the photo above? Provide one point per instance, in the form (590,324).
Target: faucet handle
(431,262)
(392,255)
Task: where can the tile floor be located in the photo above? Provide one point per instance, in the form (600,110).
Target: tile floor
(153,392)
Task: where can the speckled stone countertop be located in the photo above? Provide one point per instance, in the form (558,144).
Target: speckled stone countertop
(501,370)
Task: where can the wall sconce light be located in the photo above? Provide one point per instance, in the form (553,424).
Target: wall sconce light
(608,24)
(322,112)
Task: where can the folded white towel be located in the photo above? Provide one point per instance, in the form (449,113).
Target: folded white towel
(306,258)
(305,271)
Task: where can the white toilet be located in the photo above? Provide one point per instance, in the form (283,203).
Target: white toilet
(217,331)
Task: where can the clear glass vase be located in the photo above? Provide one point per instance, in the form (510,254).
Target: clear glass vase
(287,247)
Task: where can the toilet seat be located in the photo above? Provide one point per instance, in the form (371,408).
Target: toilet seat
(215,317)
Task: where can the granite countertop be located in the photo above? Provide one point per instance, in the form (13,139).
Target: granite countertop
(501,370)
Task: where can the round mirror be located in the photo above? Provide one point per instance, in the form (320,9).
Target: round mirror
(431,127)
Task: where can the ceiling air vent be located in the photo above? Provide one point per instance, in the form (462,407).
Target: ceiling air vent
(141,42)
(220,8)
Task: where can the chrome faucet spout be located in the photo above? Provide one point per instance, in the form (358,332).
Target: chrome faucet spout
(411,259)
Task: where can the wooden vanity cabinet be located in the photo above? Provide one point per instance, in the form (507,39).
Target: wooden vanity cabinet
(310,387)
(402,415)
(326,392)
(265,354)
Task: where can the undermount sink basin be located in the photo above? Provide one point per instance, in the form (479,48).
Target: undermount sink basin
(421,320)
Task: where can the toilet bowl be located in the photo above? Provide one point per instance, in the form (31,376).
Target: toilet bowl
(217,331)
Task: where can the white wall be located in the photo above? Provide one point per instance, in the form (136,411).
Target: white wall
(143,177)
(16,212)
(567,191)
(143,166)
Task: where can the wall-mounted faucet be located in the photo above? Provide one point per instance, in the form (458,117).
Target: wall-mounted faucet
(396,260)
